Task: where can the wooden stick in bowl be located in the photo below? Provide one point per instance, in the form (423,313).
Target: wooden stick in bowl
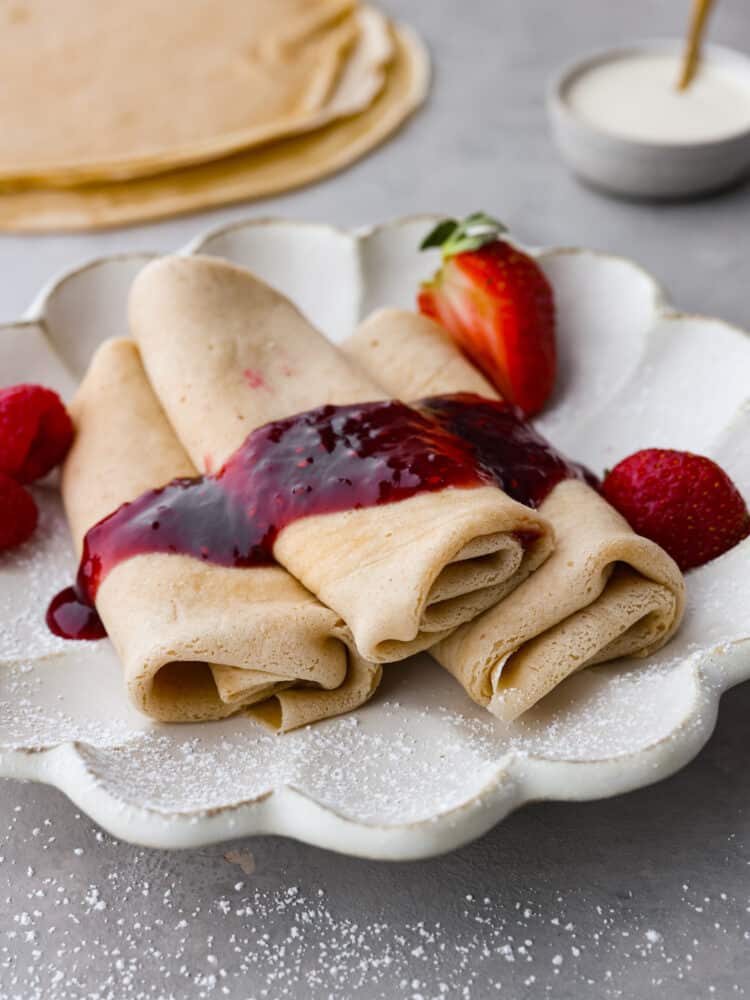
(698,20)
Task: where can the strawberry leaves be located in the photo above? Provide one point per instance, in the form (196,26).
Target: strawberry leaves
(454,237)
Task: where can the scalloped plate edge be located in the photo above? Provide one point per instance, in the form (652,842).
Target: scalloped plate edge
(518,780)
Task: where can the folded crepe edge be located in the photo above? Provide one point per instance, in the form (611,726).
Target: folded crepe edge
(180,671)
(464,516)
(516,671)
(655,578)
(630,618)
(172,618)
(290,709)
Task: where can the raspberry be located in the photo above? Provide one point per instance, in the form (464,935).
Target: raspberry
(18,513)
(684,502)
(35,431)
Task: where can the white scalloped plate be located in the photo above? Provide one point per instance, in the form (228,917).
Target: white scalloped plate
(420,769)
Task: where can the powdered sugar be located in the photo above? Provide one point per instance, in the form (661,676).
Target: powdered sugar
(33,574)
(404,758)
(419,751)
(110,922)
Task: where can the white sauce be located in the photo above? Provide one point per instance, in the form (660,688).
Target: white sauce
(635,96)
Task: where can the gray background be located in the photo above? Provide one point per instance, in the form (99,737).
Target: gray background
(644,895)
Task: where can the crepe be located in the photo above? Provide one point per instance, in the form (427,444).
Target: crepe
(121,91)
(604,592)
(197,641)
(226,354)
(253,173)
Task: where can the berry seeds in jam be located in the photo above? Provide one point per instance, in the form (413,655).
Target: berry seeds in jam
(326,460)
(520,460)
(330,459)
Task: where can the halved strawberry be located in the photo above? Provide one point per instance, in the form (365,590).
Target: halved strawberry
(497,304)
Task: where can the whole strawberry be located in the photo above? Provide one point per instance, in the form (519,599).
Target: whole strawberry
(35,431)
(18,513)
(497,304)
(684,502)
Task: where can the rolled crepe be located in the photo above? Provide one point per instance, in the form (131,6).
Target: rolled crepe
(197,641)
(604,592)
(226,354)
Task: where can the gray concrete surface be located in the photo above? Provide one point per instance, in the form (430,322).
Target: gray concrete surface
(645,895)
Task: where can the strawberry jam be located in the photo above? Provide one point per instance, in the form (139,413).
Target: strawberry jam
(521,461)
(330,459)
(71,616)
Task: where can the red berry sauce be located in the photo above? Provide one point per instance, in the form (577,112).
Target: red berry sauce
(70,616)
(330,459)
(521,461)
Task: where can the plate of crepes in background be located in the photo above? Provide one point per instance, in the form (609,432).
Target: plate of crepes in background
(362,543)
(227,100)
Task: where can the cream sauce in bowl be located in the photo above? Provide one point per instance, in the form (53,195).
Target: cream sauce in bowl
(622,125)
(635,96)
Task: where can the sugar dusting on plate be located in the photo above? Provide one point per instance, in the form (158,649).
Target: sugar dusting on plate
(35,572)
(84,915)
(420,749)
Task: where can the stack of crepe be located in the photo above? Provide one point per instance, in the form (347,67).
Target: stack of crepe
(217,354)
(147,109)
(511,600)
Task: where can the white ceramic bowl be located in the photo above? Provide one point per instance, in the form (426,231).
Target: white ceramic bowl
(641,169)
